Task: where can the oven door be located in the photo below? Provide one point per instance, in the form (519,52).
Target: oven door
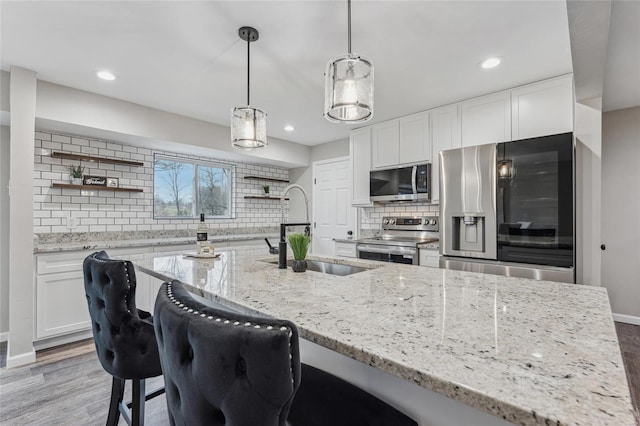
(388,253)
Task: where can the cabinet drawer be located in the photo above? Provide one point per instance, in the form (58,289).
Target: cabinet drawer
(52,263)
(61,305)
(345,249)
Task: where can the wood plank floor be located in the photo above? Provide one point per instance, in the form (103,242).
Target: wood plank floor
(67,386)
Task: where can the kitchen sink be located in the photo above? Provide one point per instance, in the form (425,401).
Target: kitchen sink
(328,267)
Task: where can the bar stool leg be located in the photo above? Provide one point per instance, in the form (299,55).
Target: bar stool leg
(117,392)
(137,408)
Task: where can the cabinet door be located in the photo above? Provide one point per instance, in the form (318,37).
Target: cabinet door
(385,144)
(542,109)
(444,135)
(486,119)
(415,145)
(360,155)
(61,305)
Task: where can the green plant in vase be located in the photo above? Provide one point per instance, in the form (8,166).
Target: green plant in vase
(299,244)
(75,174)
(266,189)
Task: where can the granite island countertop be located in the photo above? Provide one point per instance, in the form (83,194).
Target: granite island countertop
(531,352)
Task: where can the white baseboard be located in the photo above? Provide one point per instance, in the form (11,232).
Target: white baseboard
(62,340)
(4,336)
(22,359)
(628,319)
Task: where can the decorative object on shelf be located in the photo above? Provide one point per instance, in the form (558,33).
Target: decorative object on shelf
(75,174)
(348,86)
(266,189)
(248,124)
(94,180)
(112,182)
(299,245)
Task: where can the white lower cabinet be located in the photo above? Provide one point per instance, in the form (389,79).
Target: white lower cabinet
(430,258)
(61,304)
(344,249)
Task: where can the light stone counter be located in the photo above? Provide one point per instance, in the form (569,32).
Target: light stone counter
(530,352)
(97,244)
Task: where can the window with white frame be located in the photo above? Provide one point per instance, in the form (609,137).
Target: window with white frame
(184,188)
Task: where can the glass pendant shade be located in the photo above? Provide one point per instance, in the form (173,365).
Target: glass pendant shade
(349,89)
(248,125)
(248,128)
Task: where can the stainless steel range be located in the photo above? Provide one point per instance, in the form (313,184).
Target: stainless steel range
(401,240)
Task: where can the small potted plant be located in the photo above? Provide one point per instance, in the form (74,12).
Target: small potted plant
(75,174)
(266,189)
(299,245)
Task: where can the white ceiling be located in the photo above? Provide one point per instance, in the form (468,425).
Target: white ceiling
(186,57)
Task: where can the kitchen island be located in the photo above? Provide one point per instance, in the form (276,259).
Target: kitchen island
(529,352)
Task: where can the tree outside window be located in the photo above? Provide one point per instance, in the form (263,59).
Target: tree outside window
(184,189)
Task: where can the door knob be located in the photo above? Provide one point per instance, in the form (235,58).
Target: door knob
(603,247)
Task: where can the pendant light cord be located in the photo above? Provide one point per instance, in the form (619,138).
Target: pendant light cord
(248,68)
(349,25)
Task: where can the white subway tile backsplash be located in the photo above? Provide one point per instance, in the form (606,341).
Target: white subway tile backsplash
(105,210)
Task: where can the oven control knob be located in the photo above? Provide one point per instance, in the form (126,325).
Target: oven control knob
(392,221)
(432,222)
(385,221)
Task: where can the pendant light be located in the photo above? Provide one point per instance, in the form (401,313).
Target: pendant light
(348,89)
(248,124)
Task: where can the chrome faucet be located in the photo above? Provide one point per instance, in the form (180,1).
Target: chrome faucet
(282,245)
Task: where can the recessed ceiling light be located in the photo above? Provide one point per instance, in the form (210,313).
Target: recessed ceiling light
(106,75)
(490,63)
(289,128)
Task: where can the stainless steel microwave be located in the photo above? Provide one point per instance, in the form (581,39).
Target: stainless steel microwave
(401,184)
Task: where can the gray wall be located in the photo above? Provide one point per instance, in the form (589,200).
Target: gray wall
(620,207)
(4,229)
(303,176)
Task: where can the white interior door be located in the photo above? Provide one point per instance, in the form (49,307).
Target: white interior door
(333,215)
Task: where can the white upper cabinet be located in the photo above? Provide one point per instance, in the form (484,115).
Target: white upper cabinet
(360,154)
(401,141)
(385,144)
(444,135)
(486,119)
(414,138)
(544,108)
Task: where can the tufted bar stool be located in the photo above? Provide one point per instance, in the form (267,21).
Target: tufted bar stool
(123,335)
(221,367)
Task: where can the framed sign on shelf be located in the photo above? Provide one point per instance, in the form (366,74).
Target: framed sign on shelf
(94,180)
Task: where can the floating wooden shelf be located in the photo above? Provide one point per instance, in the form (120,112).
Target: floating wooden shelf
(70,156)
(262,197)
(267,178)
(94,187)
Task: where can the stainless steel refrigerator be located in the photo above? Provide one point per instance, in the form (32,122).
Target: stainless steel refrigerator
(508,208)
